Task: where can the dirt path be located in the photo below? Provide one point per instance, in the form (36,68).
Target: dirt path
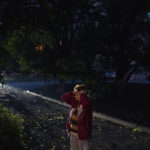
(45,126)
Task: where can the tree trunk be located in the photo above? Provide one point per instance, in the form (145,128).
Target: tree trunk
(122,79)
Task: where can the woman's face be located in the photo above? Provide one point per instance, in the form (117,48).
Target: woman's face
(77,96)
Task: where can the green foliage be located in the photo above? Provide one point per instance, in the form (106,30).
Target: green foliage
(6,58)
(98,88)
(53,148)
(11,130)
(21,44)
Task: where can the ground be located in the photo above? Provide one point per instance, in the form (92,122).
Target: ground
(45,126)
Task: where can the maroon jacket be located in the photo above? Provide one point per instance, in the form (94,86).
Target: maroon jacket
(84,115)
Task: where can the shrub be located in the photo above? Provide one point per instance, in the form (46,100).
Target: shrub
(11,130)
(98,88)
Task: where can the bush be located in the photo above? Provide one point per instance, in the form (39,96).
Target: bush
(11,130)
(98,88)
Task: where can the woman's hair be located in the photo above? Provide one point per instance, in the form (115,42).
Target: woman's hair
(79,87)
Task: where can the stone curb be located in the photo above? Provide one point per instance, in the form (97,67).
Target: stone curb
(131,125)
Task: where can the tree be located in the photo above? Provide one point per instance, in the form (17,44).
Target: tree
(63,20)
(24,32)
(122,31)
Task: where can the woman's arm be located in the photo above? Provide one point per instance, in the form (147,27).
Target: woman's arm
(69,98)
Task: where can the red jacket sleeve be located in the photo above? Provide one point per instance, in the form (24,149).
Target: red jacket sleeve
(69,98)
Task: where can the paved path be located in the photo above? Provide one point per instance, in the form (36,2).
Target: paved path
(45,126)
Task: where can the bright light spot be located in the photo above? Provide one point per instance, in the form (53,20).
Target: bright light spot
(60,42)
(39,48)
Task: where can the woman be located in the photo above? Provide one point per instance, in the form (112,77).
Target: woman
(80,118)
